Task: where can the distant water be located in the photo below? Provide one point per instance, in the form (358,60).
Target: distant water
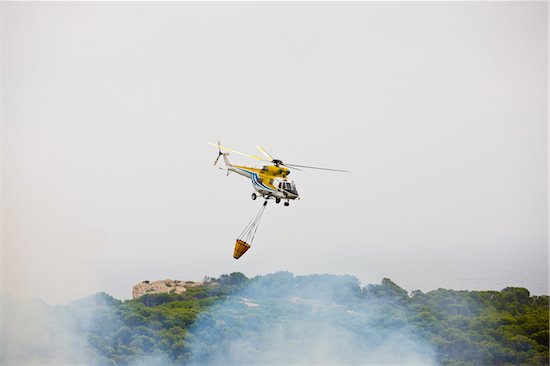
(470,279)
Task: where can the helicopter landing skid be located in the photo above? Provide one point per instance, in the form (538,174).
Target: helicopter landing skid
(254,196)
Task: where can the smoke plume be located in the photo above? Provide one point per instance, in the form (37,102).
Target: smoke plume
(322,319)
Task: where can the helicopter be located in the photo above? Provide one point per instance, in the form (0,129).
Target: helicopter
(271,181)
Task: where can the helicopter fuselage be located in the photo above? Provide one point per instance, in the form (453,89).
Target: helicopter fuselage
(269,182)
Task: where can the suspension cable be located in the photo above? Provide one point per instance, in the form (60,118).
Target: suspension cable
(249,231)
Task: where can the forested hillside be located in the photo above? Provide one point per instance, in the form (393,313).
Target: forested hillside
(282,318)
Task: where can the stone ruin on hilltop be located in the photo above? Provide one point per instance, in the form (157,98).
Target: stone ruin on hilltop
(163,286)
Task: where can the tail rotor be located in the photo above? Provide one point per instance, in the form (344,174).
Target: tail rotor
(219,153)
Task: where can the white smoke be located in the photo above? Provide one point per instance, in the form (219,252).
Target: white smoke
(306,321)
(274,319)
(34,333)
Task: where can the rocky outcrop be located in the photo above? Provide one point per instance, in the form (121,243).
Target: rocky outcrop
(162,286)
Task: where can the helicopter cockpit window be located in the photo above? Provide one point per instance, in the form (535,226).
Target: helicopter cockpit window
(290,187)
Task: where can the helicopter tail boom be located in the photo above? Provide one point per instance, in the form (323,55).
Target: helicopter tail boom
(228,164)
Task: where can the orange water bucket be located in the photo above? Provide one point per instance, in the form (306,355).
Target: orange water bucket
(240,248)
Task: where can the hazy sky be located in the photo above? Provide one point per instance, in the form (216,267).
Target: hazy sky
(439,109)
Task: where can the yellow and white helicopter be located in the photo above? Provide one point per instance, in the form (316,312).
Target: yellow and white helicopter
(270,181)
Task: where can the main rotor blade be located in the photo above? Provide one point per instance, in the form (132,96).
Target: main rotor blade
(293,168)
(237,152)
(266,154)
(315,167)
